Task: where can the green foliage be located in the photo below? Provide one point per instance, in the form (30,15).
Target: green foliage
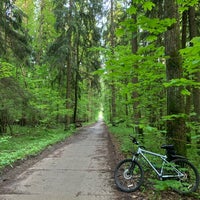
(165,185)
(155,26)
(28,141)
(6,69)
(147,65)
(12,94)
(174,116)
(191,58)
(48,103)
(119,69)
(122,135)
(181,82)
(15,39)
(122,132)
(148,5)
(4,139)
(185,4)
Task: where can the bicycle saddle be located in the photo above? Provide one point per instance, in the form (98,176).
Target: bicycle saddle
(168,146)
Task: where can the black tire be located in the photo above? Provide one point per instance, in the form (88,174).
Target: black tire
(190,181)
(128,175)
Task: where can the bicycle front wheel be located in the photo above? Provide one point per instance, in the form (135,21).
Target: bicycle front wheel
(128,175)
(188,181)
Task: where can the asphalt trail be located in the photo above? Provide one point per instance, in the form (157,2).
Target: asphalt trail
(80,169)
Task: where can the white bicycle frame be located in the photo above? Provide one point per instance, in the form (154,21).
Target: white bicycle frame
(142,152)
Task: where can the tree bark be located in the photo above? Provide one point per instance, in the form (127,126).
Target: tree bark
(3,121)
(196,91)
(76,86)
(68,71)
(40,31)
(112,41)
(176,129)
(184,29)
(135,95)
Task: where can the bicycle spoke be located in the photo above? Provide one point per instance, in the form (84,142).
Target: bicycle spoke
(128,177)
(187,178)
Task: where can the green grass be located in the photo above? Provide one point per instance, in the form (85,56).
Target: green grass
(28,141)
(122,135)
(152,141)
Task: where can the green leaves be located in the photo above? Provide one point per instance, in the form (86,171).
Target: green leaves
(181,82)
(184,83)
(132,10)
(4,139)
(31,142)
(185,4)
(155,26)
(148,5)
(174,116)
(191,57)
(6,69)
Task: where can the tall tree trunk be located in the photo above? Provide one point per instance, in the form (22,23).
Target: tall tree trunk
(136,111)
(188,99)
(184,28)
(196,91)
(68,93)
(68,71)
(112,41)
(40,31)
(3,120)
(75,98)
(176,129)
(76,87)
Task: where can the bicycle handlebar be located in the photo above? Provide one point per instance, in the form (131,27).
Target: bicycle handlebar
(134,140)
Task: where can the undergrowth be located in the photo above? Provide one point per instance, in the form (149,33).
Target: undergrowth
(27,141)
(151,141)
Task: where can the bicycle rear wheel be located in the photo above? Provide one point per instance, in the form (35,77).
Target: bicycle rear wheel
(189,181)
(128,175)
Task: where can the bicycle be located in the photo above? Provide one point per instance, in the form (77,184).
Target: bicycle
(129,174)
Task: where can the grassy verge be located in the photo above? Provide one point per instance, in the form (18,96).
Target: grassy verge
(152,141)
(28,141)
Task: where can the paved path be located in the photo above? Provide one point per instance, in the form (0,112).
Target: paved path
(79,170)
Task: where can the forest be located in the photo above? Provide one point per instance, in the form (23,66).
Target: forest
(62,62)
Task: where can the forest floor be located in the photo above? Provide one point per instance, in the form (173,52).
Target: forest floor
(146,192)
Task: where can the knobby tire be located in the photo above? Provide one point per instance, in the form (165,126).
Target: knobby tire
(189,183)
(128,175)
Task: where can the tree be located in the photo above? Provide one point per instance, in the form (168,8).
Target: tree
(15,43)
(175,102)
(77,33)
(135,94)
(196,91)
(112,44)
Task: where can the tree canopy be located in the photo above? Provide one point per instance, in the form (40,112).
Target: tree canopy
(64,61)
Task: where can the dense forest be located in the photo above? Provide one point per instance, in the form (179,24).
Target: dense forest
(137,61)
